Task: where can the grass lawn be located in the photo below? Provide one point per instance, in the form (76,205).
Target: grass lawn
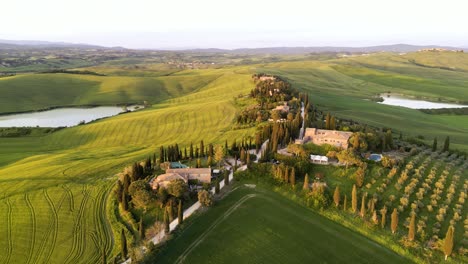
(260,226)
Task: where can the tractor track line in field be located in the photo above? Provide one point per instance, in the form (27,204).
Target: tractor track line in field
(33,232)
(192,246)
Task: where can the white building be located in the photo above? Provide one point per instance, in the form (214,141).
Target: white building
(319,159)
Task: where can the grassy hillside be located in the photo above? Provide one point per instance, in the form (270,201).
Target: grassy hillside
(54,187)
(39,91)
(260,226)
(344,86)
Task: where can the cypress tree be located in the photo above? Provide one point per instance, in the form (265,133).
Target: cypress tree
(394,223)
(411,227)
(126,183)
(226,178)
(235,163)
(209,161)
(434,144)
(354,199)
(118,191)
(166,222)
(199,163)
(124,201)
(363,205)
(180,213)
(202,149)
(327,121)
(345,203)
(306,182)
(293,177)
(448,242)
(446,144)
(383,212)
(191,150)
(140,229)
(248,158)
(217,187)
(123,245)
(336,196)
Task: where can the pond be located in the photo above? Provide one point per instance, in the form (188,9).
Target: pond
(398,100)
(61,117)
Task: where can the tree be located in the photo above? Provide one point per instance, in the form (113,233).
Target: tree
(141,229)
(327,121)
(209,161)
(180,213)
(202,149)
(360,174)
(336,196)
(332,123)
(345,203)
(141,193)
(248,158)
(166,222)
(412,227)
(354,199)
(292,177)
(434,144)
(205,198)
(383,212)
(118,191)
(219,154)
(363,205)
(306,182)
(226,178)
(126,183)
(199,163)
(394,223)
(191,151)
(217,187)
(177,188)
(124,201)
(446,144)
(348,157)
(123,244)
(448,242)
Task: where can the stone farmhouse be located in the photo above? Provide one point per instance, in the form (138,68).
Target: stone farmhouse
(331,137)
(282,108)
(201,174)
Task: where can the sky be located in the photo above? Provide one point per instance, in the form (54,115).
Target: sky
(172,24)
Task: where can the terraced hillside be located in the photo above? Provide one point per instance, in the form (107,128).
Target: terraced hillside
(54,187)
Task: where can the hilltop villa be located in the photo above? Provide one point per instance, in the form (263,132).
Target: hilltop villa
(331,137)
(201,174)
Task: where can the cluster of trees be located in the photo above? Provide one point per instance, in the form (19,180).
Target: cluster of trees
(446,146)
(285,174)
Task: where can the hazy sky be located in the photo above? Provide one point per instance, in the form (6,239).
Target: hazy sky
(239,23)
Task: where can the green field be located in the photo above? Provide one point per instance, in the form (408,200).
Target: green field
(343,85)
(54,186)
(260,226)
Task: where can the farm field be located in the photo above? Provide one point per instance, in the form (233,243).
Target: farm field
(260,226)
(54,186)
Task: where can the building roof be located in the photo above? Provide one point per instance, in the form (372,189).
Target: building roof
(190,171)
(164,179)
(332,134)
(318,157)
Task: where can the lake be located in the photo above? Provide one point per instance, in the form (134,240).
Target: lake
(397,100)
(61,117)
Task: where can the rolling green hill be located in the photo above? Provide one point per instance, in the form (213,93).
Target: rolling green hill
(54,186)
(260,226)
(344,87)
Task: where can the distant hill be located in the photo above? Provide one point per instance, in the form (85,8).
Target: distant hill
(42,44)
(304,50)
(28,44)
